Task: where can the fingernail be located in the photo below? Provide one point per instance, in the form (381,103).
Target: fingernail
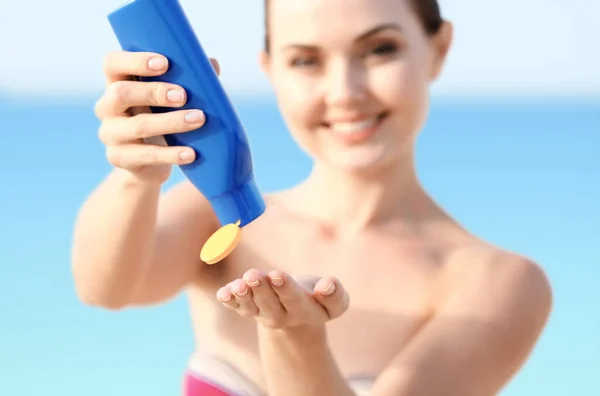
(277,281)
(226,298)
(253,283)
(175,95)
(194,117)
(242,292)
(186,156)
(157,64)
(330,289)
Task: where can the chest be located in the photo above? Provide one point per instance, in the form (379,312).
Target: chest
(390,283)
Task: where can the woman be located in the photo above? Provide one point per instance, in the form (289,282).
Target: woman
(434,310)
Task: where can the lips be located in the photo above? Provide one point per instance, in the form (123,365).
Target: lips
(356,124)
(356,130)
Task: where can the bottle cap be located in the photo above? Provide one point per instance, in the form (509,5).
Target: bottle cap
(234,209)
(221,243)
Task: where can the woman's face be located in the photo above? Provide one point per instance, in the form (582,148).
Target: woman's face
(352,77)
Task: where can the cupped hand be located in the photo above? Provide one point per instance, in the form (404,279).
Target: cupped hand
(277,300)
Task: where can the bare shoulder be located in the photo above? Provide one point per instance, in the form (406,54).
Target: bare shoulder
(500,285)
(481,263)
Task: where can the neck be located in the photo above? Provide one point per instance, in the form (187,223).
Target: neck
(354,201)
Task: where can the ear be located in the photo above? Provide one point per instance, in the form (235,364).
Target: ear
(441,44)
(265,63)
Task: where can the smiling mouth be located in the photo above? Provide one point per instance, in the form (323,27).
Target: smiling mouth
(355,131)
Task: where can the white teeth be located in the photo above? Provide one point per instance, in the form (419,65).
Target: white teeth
(352,127)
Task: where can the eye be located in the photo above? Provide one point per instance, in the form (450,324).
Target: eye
(385,49)
(303,62)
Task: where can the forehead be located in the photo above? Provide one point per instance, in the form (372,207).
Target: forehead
(321,20)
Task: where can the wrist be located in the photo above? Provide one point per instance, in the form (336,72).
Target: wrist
(302,336)
(130,180)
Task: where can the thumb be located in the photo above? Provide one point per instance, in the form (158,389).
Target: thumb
(216,66)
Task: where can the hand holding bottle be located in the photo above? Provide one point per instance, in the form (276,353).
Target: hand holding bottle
(131,133)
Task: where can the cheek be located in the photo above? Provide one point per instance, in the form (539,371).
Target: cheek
(297,99)
(298,105)
(403,88)
(399,83)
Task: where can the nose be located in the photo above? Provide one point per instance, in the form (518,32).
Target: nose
(345,84)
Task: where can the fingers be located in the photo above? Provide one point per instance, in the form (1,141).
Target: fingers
(292,296)
(133,136)
(226,297)
(276,300)
(123,95)
(119,130)
(238,296)
(133,157)
(264,296)
(333,297)
(120,65)
(253,296)
(124,139)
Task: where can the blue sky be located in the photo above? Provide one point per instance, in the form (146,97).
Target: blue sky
(501,47)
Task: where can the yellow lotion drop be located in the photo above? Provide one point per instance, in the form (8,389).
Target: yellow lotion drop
(221,243)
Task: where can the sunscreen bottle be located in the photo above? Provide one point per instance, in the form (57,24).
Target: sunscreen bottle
(223,170)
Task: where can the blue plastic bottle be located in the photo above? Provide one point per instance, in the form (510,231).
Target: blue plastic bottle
(223,170)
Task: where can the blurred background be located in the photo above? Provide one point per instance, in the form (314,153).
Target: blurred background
(511,149)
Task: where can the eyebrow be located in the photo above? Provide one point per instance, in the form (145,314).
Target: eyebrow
(377,29)
(361,37)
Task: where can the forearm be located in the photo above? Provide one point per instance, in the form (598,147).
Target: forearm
(299,362)
(113,239)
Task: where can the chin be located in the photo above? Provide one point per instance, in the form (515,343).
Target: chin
(359,160)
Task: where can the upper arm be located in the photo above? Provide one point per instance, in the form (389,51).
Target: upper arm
(184,222)
(480,335)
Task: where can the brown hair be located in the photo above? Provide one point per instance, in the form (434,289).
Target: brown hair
(428,11)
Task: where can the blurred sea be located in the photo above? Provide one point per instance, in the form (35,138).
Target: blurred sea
(524,174)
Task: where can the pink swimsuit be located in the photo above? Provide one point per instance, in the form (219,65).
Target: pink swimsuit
(195,385)
(211,376)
